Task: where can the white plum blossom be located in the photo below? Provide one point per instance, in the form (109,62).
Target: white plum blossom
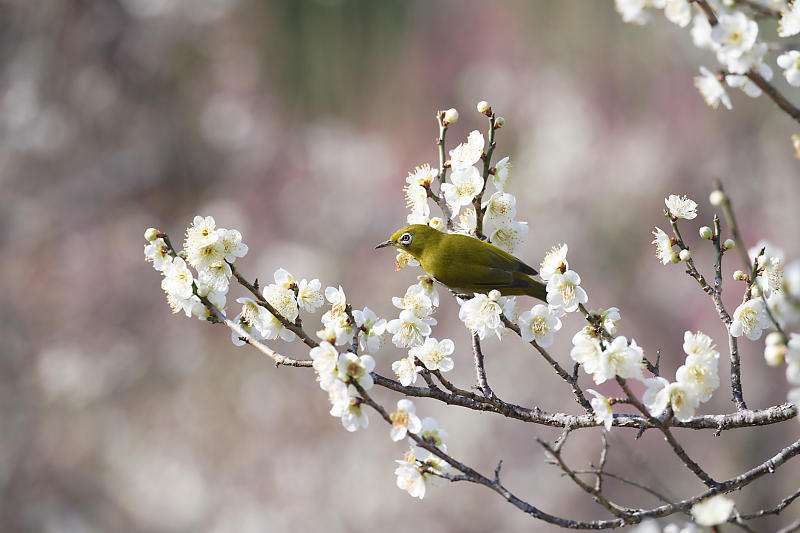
(619,359)
(539,324)
(711,89)
(406,370)
(499,210)
(481,314)
(467,154)
(603,414)
(770,266)
(337,323)
(752,59)
(372,329)
(203,244)
(681,206)
(309,295)
(432,434)
(409,477)
(337,299)
(232,245)
(404,420)
(789,23)
(661,394)
(790,63)
(678,12)
(325,359)
(509,236)
(428,285)
(735,34)
(554,262)
(746,84)
(700,371)
(586,350)
(356,368)
(157,252)
(564,291)
(701,32)
(216,276)
(409,330)
(502,174)
(467,221)
(422,175)
(283,300)
(178,279)
(750,319)
(354,415)
(434,354)
(190,306)
(465,184)
(250,315)
(417,200)
(713,511)
(403,259)
(415,300)
(635,11)
(609,318)
(663,244)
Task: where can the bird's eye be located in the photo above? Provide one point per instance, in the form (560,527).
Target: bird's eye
(405,238)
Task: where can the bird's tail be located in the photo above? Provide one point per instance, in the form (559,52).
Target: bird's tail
(538,290)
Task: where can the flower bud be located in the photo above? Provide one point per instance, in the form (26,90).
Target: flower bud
(499,122)
(717,197)
(773,354)
(450,116)
(738,275)
(484,108)
(494,295)
(151,234)
(705,233)
(674,258)
(775,339)
(729,244)
(685,254)
(755,291)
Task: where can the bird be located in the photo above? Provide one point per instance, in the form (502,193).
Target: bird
(465,264)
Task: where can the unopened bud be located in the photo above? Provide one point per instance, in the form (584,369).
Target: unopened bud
(685,255)
(729,244)
(705,232)
(151,234)
(775,339)
(755,291)
(773,354)
(738,275)
(674,258)
(484,108)
(499,122)
(717,197)
(450,116)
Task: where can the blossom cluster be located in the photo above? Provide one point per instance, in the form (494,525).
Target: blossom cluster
(733,38)
(210,251)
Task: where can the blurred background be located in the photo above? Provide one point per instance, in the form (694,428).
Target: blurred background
(296,122)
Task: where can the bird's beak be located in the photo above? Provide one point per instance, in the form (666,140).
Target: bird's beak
(387,243)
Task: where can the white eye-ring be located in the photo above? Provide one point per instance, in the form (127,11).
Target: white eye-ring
(405,238)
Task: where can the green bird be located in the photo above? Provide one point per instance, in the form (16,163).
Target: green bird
(465,264)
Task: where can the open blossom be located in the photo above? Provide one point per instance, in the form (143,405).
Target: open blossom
(509,236)
(415,300)
(428,285)
(586,350)
(564,291)
(325,359)
(619,359)
(661,394)
(554,262)
(232,245)
(404,420)
(372,329)
(790,63)
(216,276)
(713,511)
(417,200)
(406,370)
(609,318)
(502,174)
(735,34)
(663,244)
(465,184)
(755,63)
(467,154)
(635,11)
(789,23)
(712,91)
(770,265)
(539,324)
(434,354)
(681,206)
(422,175)
(467,221)
(347,406)
(203,244)
(178,278)
(357,368)
(409,478)
(750,319)
(432,434)
(409,330)
(701,32)
(309,295)
(158,253)
(678,12)
(603,414)
(498,210)
(481,314)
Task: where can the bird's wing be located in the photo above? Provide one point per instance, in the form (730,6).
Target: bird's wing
(498,258)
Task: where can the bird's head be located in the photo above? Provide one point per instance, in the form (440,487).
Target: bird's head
(412,239)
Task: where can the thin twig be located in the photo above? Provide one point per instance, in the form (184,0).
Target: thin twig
(480,371)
